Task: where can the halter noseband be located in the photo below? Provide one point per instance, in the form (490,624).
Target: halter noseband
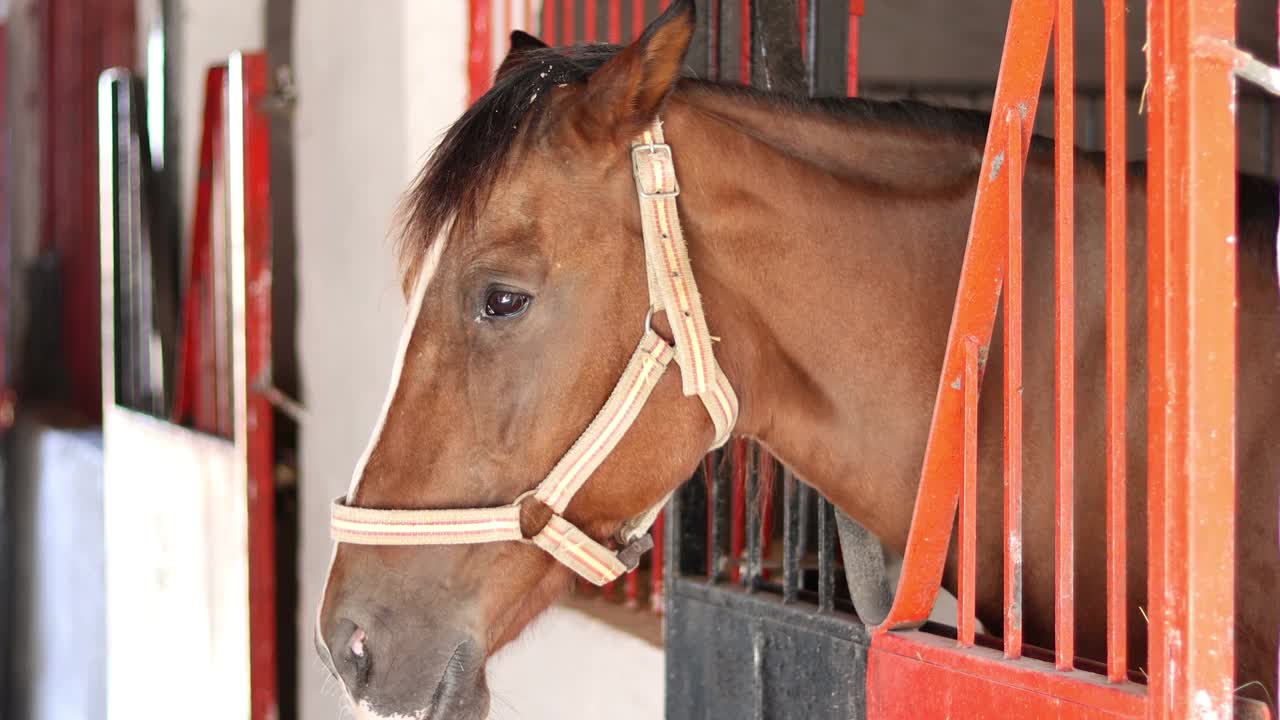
(671,288)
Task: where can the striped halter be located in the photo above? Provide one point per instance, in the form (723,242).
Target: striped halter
(671,288)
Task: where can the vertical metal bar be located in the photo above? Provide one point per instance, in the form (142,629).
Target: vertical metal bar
(1018,87)
(549,21)
(790,536)
(631,589)
(803,19)
(589,21)
(826,556)
(744,43)
(1064,316)
(1199,360)
(615,21)
(736,535)
(969,497)
(713,39)
(249,162)
(1115,102)
(720,510)
(1013,396)
(857,8)
(480,44)
(637,18)
(568,32)
(530,23)
(1158,222)
(755,459)
(768,485)
(657,588)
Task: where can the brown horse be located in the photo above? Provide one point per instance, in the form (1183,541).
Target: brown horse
(827,238)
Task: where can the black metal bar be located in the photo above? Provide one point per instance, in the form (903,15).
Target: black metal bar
(790,536)
(829,48)
(777,64)
(728,50)
(721,494)
(690,523)
(755,506)
(826,556)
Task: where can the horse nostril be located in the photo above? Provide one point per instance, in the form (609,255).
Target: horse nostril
(357,643)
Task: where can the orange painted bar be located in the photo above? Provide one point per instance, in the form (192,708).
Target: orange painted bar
(479,48)
(568,34)
(1117,551)
(549,21)
(1013,396)
(1017,89)
(657,588)
(637,18)
(1157,422)
(857,8)
(589,21)
(1196,347)
(615,21)
(969,498)
(1064,322)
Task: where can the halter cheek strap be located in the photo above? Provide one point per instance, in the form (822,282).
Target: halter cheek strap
(672,289)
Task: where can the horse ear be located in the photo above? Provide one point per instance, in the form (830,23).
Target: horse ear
(625,94)
(523,45)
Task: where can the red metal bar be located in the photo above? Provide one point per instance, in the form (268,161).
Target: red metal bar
(6,243)
(1064,316)
(768,481)
(568,31)
(480,55)
(615,21)
(969,497)
(1013,396)
(744,44)
(549,21)
(631,590)
(857,8)
(259,439)
(1117,625)
(803,19)
(657,588)
(637,18)
(190,388)
(737,532)
(589,21)
(1197,283)
(913,675)
(1017,89)
(1157,422)
(529,25)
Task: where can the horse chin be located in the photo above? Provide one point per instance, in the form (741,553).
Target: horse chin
(457,703)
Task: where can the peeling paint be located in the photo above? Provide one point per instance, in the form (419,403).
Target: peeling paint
(996,164)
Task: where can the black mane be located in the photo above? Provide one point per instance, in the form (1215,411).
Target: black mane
(482,143)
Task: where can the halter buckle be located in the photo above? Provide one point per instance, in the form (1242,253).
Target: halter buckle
(631,554)
(654,149)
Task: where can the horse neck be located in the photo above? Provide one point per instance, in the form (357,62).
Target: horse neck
(827,252)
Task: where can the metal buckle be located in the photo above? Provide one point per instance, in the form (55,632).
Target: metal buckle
(631,554)
(653,149)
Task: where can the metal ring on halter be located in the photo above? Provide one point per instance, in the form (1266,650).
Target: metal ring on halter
(648,320)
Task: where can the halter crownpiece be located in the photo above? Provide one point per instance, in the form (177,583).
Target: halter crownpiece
(671,288)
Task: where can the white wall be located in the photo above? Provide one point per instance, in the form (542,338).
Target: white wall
(376,82)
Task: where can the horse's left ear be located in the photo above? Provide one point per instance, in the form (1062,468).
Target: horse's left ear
(523,46)
(625,94)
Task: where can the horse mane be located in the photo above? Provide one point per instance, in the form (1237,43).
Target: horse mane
(475,151)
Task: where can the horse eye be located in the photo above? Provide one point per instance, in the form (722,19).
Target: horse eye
(505,304)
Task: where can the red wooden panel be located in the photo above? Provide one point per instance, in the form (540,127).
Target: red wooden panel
(80,41)
(913,675)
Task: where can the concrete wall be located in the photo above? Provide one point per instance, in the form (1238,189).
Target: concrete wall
(376,83)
